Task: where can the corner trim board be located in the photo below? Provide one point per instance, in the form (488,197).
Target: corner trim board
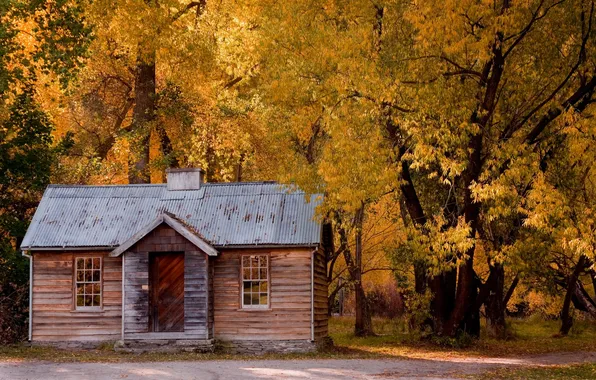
(123,296)
(30,327)
(312,295)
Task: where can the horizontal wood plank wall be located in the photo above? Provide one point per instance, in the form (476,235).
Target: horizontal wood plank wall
(136,261)
(54,315)
(320,297)
(289,316)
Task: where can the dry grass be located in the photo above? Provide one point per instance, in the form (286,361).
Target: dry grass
(571,372)
(528,337)
(393,341)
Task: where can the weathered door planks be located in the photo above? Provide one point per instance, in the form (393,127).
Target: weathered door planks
(167,292)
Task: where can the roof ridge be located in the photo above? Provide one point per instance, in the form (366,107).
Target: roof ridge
(165,184)
(60,185)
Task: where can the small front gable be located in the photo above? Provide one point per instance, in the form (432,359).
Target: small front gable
(175,224)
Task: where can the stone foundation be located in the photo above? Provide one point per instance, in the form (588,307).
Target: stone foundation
(71,345)
(256,347)
(164,345)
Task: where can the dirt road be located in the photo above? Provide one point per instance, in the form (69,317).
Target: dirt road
(447,368)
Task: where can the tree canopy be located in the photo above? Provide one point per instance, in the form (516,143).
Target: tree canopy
(453,139)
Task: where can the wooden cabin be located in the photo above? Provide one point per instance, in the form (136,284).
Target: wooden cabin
(185,263)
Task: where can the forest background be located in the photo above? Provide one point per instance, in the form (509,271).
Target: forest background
(453,140)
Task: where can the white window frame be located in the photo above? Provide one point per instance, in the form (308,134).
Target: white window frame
(76,283)
(267,280)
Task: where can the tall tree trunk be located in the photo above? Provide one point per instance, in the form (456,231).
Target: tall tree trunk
(363,325)
(495,305)
(143,114)
(566,318)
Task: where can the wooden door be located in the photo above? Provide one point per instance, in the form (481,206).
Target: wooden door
(167,292)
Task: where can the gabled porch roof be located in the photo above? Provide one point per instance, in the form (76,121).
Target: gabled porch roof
(179,226)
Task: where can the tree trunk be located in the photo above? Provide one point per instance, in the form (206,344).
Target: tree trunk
(583,300)
(333,296)
(471,321)
(143,114)
(495,305)
(363,325)
(566,318)
(510,291)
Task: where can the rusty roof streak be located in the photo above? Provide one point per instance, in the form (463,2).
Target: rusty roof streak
(230,214)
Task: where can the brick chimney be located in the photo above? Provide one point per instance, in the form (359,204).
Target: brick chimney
(184,179)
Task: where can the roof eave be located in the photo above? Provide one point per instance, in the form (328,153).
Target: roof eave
(73,248)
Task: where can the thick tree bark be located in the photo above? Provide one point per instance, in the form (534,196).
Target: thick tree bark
(143,114)
(566,318)
(495,305)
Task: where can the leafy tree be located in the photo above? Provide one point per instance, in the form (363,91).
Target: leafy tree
(455,104)
(37,39)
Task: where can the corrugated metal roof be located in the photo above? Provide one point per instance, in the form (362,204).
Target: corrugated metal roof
(257,213)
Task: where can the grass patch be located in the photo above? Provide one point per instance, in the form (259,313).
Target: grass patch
(528,337)
(572,372)
(23,352)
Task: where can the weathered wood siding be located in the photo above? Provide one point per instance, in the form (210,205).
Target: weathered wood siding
(54,315)
(136,287)
(320,295)
(211,319)
(289,315)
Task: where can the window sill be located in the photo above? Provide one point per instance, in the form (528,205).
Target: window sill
(255,309)
(88,311)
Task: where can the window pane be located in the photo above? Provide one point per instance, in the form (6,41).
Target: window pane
(247,285)
(255,298)
(254,261)
(246,299)
(263,273)
(255,287)
(263,286)
(246,261)
(254,273)
(88,282)
(263,299)
(246,274)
